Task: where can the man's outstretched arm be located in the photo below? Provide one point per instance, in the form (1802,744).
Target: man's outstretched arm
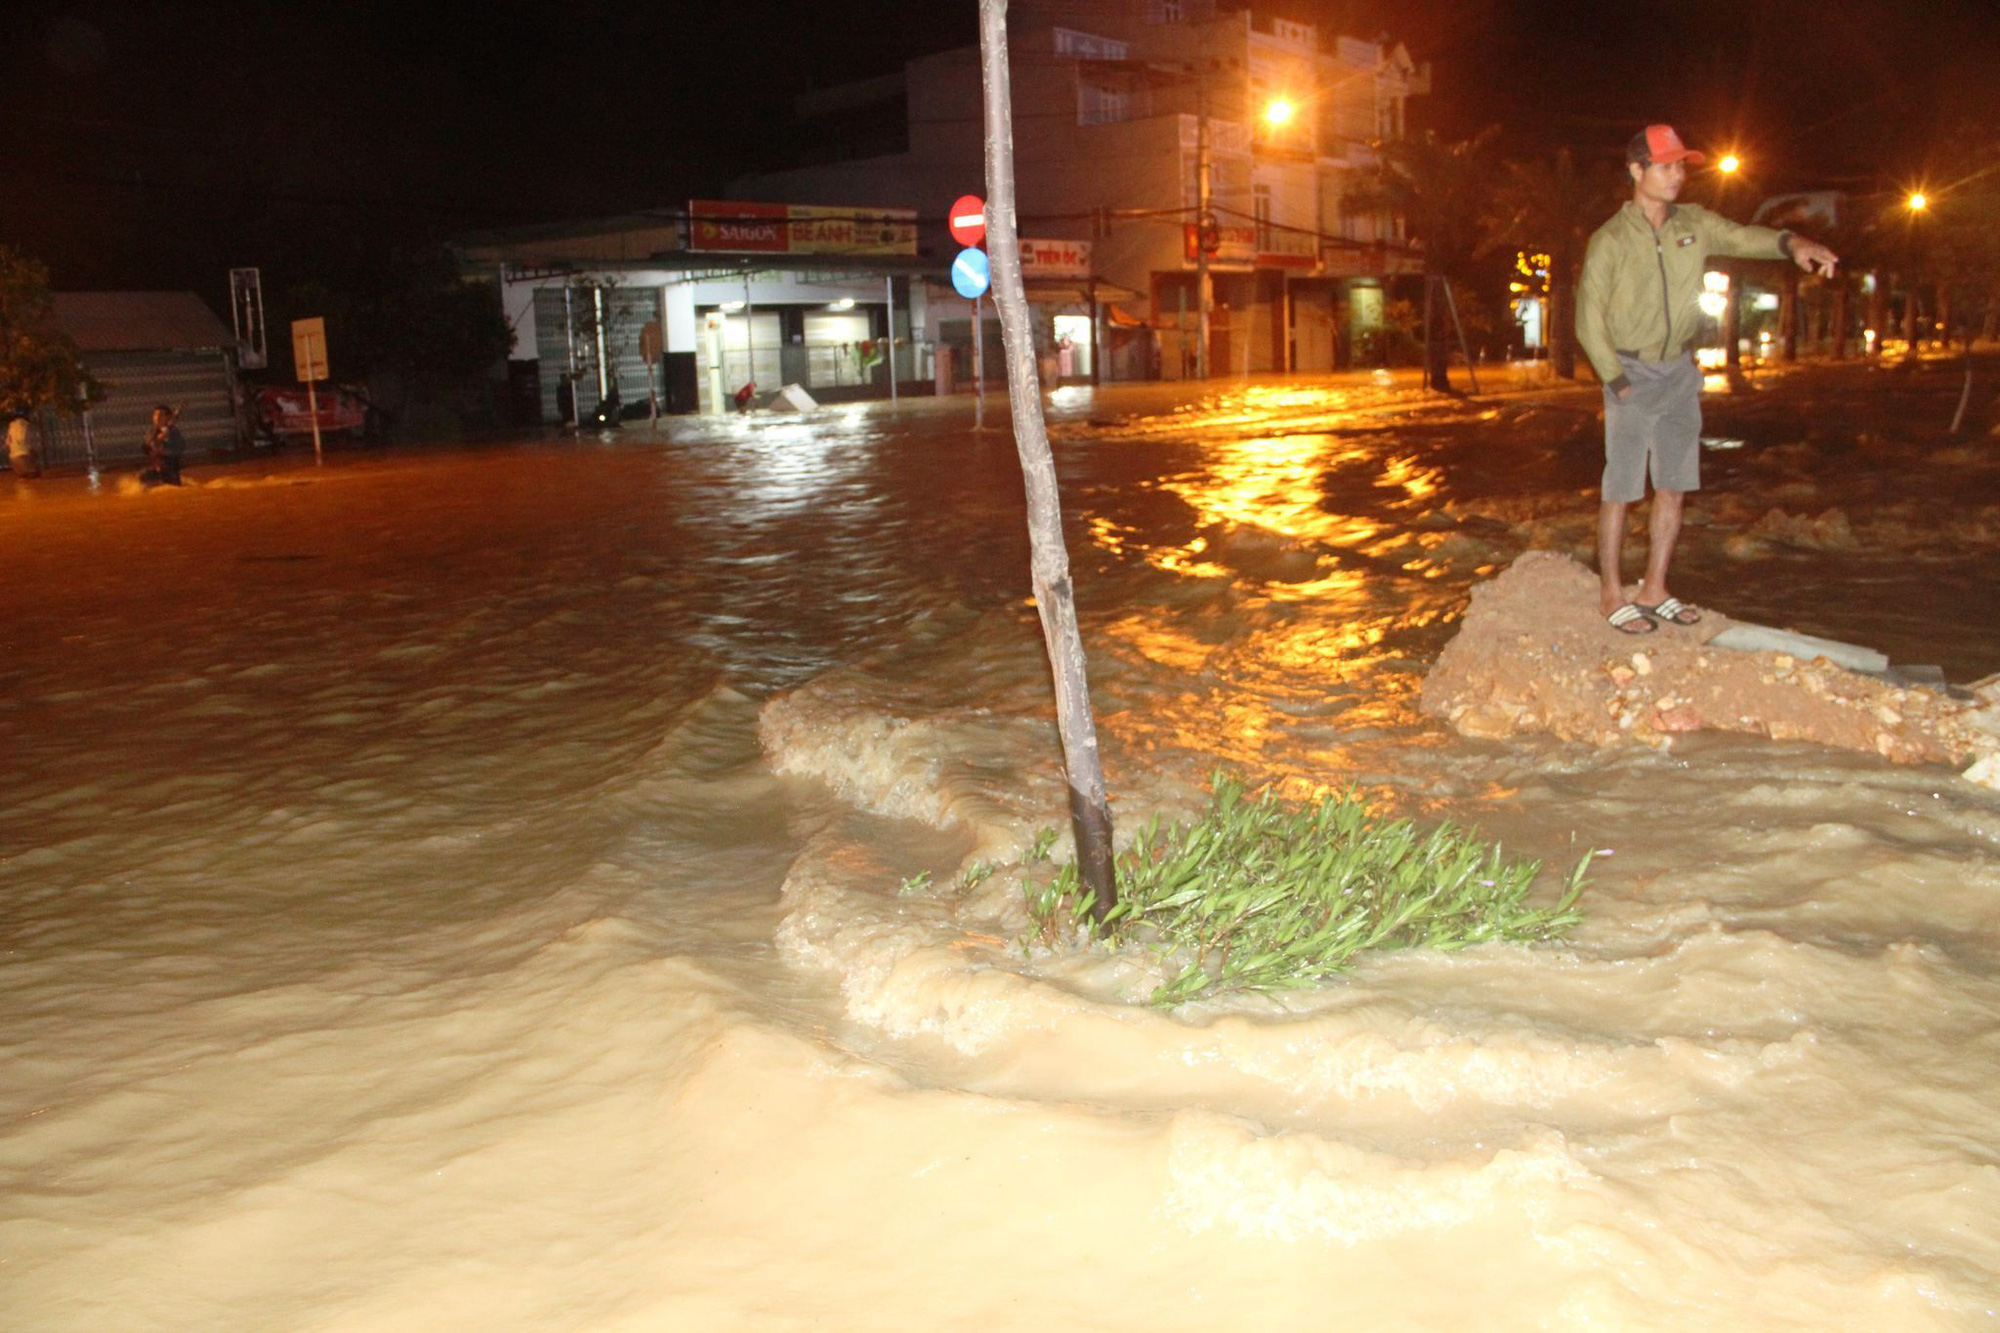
(1747,242)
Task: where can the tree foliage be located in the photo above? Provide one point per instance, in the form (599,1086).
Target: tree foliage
(1546,206)
(39,364)
(1439,188)
(402,310)
(1963,250)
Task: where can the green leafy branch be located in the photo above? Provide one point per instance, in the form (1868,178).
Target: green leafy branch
(1259,894)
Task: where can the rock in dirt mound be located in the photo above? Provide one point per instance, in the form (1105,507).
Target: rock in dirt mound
(1534,655)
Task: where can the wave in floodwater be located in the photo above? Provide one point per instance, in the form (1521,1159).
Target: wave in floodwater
(1740,1094)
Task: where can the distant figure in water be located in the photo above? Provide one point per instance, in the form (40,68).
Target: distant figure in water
(22,455)
(164,447)
(1637,312)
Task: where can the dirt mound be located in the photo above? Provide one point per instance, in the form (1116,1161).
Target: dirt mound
(1534,655)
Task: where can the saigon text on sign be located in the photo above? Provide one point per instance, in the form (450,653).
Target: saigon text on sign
(744,226)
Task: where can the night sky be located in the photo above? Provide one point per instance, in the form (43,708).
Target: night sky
(153,148)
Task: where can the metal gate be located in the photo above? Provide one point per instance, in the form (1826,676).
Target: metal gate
(561,332)
(199,383)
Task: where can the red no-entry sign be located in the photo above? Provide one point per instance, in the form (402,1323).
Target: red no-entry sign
(967,220)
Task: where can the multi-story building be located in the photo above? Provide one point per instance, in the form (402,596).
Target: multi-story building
(1118,116)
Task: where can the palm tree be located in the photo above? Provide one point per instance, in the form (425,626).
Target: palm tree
(1439,189)
(1546,206)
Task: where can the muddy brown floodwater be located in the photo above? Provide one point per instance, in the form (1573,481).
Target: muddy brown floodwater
(484,888)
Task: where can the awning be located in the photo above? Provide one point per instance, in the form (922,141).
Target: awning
(1075,292)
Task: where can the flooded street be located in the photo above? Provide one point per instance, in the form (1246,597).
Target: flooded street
(481,887)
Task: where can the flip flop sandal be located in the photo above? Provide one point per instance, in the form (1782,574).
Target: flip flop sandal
(1628,618)
(1673,611)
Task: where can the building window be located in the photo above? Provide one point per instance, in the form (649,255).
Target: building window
(1100,106)
(1388,115)
(1088,46)
(1167,11)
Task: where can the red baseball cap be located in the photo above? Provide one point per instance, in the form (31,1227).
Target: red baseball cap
(1659,143)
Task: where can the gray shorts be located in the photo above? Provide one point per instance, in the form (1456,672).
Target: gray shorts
(1655,427)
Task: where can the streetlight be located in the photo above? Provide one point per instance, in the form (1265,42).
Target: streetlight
(1730,164)
(1917,202)
(1277,113)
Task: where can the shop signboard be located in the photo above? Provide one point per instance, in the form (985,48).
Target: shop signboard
(741,226)
(1238,245)
(1243,246)
(1055,259)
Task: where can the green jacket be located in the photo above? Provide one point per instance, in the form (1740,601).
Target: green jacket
(1641,289)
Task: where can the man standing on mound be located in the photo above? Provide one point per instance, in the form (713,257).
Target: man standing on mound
(1637,316)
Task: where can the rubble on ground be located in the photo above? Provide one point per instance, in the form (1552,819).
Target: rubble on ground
(1534,655)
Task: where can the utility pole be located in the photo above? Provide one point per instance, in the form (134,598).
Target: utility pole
(1201,227)
(1203,222)
(1055,596)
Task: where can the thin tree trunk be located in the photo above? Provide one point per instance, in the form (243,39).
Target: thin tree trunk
(1788,316)
(1840,319)
(1878,308)
(1964,394)
(1430,344)
(1437,344)
(1055,602)
(1732,324)
(1562,301)
(1910,325)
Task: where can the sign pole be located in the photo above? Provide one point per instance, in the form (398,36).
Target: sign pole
(310,362)
(1095,377)
(971,274)
(312,406)
(978,363)
(889,286)
(749,336)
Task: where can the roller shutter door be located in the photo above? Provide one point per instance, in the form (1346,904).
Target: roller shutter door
(196,382)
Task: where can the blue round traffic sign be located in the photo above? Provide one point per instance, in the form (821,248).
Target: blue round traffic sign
(971,273)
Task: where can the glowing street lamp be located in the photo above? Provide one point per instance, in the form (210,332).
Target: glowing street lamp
(1730,164)
(1714,298)
(1278,112)
(1917,201)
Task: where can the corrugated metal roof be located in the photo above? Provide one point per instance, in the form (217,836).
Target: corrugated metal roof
(139,321)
